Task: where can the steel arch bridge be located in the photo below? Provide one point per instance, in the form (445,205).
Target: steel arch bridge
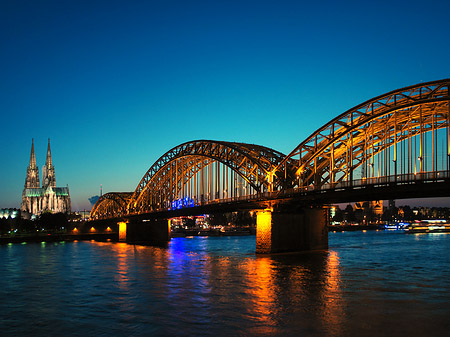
(398,137)
(402,132)
(202,171)
(111,205)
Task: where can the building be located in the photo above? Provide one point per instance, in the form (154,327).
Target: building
(9,213)
(37,199)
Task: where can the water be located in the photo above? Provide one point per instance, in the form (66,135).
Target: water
(366,284)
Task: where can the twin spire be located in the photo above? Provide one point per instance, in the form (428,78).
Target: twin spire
(48,171)
(33,156)
(48,161)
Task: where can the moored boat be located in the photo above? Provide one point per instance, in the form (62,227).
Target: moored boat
(429,226)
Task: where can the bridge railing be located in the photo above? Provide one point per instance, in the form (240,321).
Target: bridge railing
(399,179)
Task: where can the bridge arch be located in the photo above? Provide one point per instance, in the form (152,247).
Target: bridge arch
(182,171)
(111,204)
(403,132)
(397,135)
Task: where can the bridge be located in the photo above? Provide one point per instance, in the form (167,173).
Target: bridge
(396,145)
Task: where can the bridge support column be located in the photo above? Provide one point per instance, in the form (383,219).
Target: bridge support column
(303,230)
(155,231)
(122,231)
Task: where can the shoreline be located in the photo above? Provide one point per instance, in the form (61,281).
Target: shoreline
(113,237)
(350,228)
(59,238)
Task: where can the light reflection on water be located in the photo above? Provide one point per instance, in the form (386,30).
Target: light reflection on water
(369,283)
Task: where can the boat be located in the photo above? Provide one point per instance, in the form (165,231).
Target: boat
(429,226)
(396,225)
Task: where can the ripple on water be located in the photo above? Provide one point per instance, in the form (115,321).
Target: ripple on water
(375,282)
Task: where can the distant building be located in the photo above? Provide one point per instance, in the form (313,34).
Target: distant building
(374,206)
(9,213)
(37,199)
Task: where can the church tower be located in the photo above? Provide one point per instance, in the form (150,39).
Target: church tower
(32,180)
(48,171)
(48,198)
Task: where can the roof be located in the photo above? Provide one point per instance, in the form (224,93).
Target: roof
(39,192)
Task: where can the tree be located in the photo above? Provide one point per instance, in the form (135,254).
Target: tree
(4,226)
(50,221)
(349,213)
(338,215)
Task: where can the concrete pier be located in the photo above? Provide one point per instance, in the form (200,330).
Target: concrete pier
(155,231)
(304,230)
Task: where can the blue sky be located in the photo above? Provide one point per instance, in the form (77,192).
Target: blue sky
(116,84)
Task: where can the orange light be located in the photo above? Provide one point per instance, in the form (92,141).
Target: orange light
(263,232)
(108,229)
(122,231)
(92,229)
(75,229)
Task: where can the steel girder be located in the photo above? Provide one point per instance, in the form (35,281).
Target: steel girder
(329,155)
(332,152)
(113,204)
(171,171)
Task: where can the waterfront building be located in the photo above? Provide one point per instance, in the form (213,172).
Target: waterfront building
(37,199)
(9,213)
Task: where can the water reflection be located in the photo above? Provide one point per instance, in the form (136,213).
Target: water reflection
(295,290)
(268,291)
(366,282)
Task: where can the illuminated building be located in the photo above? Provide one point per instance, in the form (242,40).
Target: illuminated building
(6,213)
(37,199)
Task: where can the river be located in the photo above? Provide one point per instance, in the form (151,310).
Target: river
(372,283)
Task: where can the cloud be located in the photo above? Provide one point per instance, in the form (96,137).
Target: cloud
(93,199)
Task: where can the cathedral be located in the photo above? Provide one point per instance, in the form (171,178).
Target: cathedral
(37,199)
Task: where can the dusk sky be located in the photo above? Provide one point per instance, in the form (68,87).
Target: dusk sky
(116,84)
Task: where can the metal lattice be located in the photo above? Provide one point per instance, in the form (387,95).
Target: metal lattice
(168,178)
(111,204)
(401,133)
(374,131)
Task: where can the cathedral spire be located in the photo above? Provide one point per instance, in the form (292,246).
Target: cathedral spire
(32,164)
(48,171)
(48,161)
(32,179)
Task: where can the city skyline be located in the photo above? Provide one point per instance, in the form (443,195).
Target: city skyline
(116,86)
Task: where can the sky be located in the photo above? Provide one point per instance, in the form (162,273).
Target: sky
(116,84)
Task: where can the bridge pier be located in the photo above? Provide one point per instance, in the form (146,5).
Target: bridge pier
(304,230)
(155,231)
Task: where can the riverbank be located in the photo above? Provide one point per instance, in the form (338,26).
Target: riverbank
(57,238)
(189,233)
(344,228)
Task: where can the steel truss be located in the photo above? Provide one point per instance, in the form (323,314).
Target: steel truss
(399,134)
(174,175)
(386,135)
(111,204)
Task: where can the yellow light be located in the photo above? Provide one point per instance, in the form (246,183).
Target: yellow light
(122,231)
(92,229)
(263,231)
(108,229)
(75,229)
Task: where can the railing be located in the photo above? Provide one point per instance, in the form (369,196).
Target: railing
(394,179)
(400,179)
